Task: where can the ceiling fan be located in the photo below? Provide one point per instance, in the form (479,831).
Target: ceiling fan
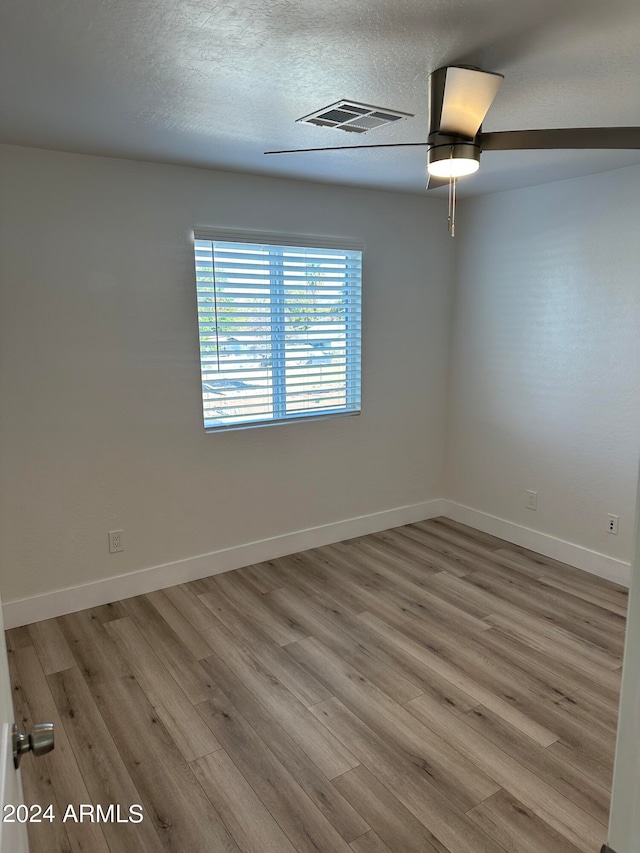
(459,99)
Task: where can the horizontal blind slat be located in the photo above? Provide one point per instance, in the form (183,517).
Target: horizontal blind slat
(327,405)
(264,395)
(315,261)
(212,425)
(213,373)
(204,234)
(243,367)
(263,302)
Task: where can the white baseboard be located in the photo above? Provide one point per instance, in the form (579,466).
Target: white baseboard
(51,604)
(566,552)
(71,599)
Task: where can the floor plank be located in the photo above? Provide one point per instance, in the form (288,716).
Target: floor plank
(339,631)
(572,822)
(481,660)
(38,785)
(96,656)
(309,573)
(193,610)
(343,817)
(261,576)
(463,681)
(453,775)
(67,781)
(517,828)
(394,824)
(241,594)
(545,637)
(174,801)
(548,567)
(107,612)
(590,710)
(422,676)
(329,755)
(578,787)
(510,595)
(51,646)
(450,826)
(379,594)
(248,820)
(100,763)
(182,665)
(192,737)
(181,626)
(294,811)
(438,555)
(303,685)
(369,843)
(600,682)
(18,638)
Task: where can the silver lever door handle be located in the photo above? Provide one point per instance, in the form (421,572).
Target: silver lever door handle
(39,741)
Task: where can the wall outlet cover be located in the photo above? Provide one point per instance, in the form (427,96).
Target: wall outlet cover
(116,541)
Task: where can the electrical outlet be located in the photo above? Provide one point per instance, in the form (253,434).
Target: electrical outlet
(116,541)
(612,523)
(531,501)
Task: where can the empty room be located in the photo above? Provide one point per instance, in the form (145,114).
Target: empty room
(319,426)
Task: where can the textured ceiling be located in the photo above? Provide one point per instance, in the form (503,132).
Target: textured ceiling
(217,84)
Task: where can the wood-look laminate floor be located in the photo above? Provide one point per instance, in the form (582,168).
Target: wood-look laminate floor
(429,688)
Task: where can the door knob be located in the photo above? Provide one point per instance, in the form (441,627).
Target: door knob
(39,741)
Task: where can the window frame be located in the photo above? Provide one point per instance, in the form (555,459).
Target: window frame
(306,241)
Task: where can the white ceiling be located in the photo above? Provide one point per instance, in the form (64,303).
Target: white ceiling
(216,84)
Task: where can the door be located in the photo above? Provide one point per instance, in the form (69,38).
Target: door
(13,835)
(624,822)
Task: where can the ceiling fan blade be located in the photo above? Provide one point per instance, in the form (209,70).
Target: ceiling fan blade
(570,137)
(434,183)
(348,147)
(459,99)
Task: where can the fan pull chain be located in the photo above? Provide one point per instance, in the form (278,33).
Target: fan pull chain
(451,219)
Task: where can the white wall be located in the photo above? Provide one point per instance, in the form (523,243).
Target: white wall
(100,422)
(100,418)
(545,359)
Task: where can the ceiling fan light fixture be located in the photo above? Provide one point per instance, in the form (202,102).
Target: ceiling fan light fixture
(453,161)
(454,168)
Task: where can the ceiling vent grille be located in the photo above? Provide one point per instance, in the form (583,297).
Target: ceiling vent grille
(353,117)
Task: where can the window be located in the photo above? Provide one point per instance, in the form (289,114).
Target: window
(279,328)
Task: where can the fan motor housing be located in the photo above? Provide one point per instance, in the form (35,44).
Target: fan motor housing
(443,147)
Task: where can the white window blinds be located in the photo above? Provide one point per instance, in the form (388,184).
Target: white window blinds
(279,330)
